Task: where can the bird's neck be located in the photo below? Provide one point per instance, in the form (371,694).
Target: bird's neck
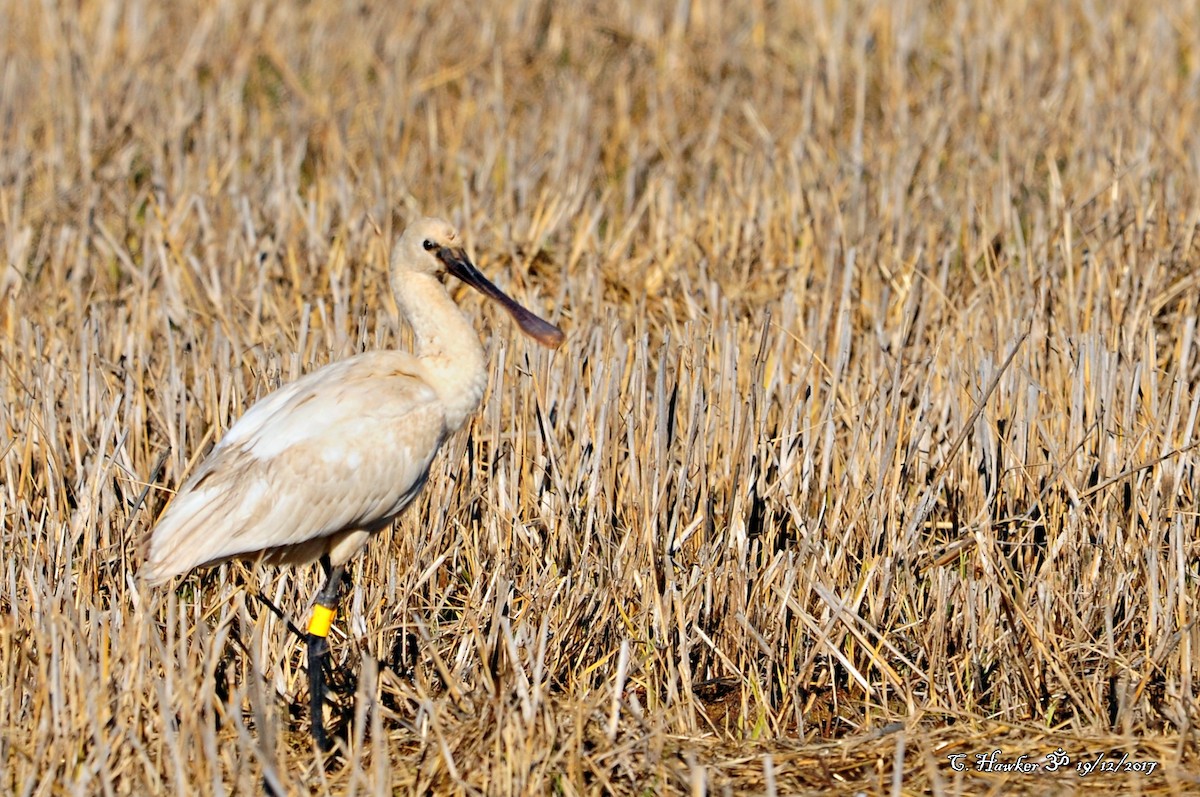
(447,345)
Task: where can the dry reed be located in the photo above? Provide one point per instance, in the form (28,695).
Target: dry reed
(872,443)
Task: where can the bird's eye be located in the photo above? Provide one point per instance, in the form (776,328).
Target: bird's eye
(429,245)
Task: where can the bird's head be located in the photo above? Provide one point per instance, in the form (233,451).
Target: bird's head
(432,246)
(428,246)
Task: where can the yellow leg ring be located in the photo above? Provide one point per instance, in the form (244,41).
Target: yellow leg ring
(322,619)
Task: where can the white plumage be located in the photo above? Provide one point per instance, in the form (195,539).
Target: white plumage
(320,464)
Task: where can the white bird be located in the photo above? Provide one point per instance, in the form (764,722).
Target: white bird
(314,469)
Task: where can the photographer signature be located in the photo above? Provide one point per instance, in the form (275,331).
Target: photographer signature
(1058,761)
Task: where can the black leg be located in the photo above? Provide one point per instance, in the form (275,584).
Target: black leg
(318,648)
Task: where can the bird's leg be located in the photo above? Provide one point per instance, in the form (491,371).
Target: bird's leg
(318,648)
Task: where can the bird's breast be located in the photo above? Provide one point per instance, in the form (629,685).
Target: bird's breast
(459,386)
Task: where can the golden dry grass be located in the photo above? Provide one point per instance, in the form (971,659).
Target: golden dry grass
(872,441)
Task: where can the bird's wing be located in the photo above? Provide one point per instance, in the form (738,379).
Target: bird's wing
(343,448)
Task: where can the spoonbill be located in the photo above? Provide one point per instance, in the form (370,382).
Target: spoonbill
(311,471)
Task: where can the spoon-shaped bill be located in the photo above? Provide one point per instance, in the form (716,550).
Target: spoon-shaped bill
(542,331)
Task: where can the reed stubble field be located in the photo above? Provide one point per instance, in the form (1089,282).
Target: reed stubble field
(871,445)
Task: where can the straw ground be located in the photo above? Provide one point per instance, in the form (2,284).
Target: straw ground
(872,442)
